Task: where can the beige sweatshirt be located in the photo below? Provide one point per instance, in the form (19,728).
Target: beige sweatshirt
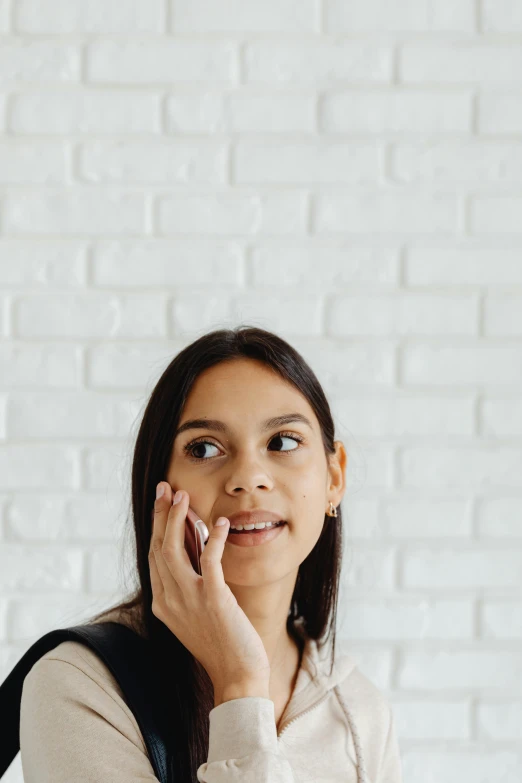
(75,727)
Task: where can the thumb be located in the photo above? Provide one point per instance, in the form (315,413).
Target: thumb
(211,568)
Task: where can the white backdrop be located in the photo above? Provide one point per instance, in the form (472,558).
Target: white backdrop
(347,173)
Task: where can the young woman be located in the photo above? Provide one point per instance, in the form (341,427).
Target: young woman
(237,427)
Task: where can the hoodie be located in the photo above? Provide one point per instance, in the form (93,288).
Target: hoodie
(336,728)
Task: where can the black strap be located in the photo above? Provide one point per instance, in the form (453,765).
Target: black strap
(126,654)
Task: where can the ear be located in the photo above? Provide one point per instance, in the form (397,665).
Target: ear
(336,478)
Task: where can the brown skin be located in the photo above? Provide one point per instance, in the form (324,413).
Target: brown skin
(246,468)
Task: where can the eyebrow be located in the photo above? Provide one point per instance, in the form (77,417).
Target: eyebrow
(220,426)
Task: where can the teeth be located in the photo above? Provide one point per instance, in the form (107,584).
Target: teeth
(257,526)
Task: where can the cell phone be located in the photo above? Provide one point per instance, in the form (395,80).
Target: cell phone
(196,536)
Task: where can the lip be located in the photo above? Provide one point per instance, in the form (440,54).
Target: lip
(254,516)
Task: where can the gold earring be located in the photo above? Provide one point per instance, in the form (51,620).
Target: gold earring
(333,510)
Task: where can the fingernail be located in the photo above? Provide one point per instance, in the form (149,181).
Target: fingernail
(221,521)
(177,497)
(160,490)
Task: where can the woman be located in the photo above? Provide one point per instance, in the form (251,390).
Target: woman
(238,422)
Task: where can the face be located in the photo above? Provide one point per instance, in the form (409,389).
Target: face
(283,469)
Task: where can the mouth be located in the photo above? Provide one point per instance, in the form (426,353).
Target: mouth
(256,531)
(257,536)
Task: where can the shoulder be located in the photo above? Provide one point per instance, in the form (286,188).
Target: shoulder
(71,678)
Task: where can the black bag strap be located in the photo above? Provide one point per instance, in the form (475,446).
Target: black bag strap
(126,654)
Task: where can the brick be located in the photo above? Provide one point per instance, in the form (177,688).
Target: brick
(35,618)
(495,214)
(3,416)
(74,211)
(205,16)
(104,470)
(499,112)
(29,162)
(79,517)
(460,62)
(41,263)
(94,315)
(163,162)
(400,16)
(371,467)
(474,266)
(35,61)
(395,111)
(367,363)
(23,365)
(501,16)
(5,315)
(375,211)
(297,265)
(210,112)
(427,518)
(366,569)
(503,314)
(23,569)
(193,311)
(407,416)
(458,569)
(229,213)
(303,162)
(499,517)
(438,719)
(408,619)
(500,720)
(34,415)
(454,766)
(3,108)
(361,518)
(166,262)
(402,314)
(102,574)
(96,16)
(53,466)
(450,163)
(5,8)
(85,111)
(501,620)
(468,364)
(463,467)
(461,670)
(501,418)
(301,314)
(318,63)
(161,61)
(123,365)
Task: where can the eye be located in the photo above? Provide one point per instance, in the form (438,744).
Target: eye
(189,448)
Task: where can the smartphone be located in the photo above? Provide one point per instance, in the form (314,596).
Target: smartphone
(196,536)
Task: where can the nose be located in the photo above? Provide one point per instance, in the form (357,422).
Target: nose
(248,475)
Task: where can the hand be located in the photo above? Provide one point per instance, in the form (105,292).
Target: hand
(201,610)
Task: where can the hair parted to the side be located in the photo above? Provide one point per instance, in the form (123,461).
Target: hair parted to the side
(188,690)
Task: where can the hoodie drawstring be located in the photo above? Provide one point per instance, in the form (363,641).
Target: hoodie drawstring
(362,776)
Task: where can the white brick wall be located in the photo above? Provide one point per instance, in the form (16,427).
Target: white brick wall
(346,172)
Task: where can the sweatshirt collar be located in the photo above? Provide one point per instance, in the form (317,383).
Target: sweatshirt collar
(314,679)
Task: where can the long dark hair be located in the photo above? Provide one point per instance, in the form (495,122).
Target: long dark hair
(187,689)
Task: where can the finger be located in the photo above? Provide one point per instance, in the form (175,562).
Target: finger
(155,579)
(161,513)
(211,568)
(173,550)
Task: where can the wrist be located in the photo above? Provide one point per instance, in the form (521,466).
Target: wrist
(240,691)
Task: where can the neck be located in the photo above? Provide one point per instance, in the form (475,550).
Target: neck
(267,607)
